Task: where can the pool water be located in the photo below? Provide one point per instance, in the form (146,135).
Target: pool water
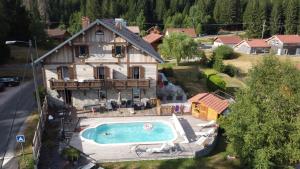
(133,132)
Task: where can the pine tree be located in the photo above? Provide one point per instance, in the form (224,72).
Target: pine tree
(140,20)
(291,17)
(277,18)
(93,9)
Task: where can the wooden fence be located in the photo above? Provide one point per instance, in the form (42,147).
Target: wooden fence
(37,139)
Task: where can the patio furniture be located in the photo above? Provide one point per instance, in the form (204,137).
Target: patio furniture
(208,133)
(201,141)
(165,147)
(209,124)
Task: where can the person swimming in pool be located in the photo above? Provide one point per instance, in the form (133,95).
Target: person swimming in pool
(107,134)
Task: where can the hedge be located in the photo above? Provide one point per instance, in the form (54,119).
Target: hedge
(215,82)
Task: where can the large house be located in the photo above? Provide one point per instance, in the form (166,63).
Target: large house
(104,61)
(230,41)
(253,46)
(285,44)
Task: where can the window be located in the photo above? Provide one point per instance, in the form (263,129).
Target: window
(99,35)
(118,50)
(100,73)
(82,51)
(136,73)
(101,94)
(136,92)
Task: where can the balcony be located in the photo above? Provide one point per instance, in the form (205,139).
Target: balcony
(99,84)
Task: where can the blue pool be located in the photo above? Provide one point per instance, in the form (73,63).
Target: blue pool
(132,132)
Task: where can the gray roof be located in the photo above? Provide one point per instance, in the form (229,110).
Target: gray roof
(123,32)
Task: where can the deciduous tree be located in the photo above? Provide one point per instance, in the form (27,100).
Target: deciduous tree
(263,125)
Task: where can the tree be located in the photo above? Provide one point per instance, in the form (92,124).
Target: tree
(291,20)
(75,23)
(277,18)
(4,29)
(227,11)
(179,46)
(263,125)
(140,20)
(255,16)
(93,9)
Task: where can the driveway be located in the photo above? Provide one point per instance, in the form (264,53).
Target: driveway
(17,99)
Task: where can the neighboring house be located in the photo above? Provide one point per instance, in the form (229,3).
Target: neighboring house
(58,34)
(134,29)
(285,44)
(154,39)
(230,41)
(253,46)
(188,31)
(208,106)
(154,29)
(104,61)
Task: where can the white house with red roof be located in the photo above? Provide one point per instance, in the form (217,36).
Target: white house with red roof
(285,44)
(252,46)
(230,41)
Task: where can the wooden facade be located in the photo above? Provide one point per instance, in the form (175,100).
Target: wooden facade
(99,60)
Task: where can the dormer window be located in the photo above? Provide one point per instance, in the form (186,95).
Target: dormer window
(82,51)
(99,35)
(118,51)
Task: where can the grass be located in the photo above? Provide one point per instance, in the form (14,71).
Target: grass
(216,160)
(30,123)
(245,62)
(18,71)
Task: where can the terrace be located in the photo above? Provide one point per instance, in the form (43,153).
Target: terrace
(98,84)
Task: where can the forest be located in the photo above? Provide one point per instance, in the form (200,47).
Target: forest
(206,16)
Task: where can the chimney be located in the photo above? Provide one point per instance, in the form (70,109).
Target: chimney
(119,23)
(85,22)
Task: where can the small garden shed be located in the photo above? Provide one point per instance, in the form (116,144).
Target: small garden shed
(208,106)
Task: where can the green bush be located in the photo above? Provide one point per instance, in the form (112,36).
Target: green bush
(231,70)
(225,52)
(71,154)
(168,71)
(215,82)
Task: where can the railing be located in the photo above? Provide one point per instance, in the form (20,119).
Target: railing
(99,84)
(37,139)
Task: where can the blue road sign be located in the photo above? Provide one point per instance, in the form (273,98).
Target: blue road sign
(20,138)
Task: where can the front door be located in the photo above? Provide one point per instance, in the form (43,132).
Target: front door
(68,97)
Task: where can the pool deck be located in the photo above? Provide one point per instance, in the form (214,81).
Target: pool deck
(133,152)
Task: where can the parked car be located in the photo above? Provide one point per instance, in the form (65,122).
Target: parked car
(2,87)
(10,80)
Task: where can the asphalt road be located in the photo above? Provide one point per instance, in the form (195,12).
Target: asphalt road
(17,99)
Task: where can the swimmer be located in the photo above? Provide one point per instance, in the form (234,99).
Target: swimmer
(106,134)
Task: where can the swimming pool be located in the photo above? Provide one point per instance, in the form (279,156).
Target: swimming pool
(130,133)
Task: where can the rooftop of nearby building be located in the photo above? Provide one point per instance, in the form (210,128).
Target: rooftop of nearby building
(290,39)
(188,31)
(228,39)
(56,32)
(134,29)
(152,37)
(255,43)
(212,101)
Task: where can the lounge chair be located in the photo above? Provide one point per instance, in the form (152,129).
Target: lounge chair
(206,133)
(165,147)
(209,124)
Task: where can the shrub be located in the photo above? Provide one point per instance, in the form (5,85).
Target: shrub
(231,70)
(215,82)
(225,52)
(71,154)
(168,71)
(218,64)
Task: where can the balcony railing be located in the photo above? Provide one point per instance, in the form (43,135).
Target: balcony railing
(99,84)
